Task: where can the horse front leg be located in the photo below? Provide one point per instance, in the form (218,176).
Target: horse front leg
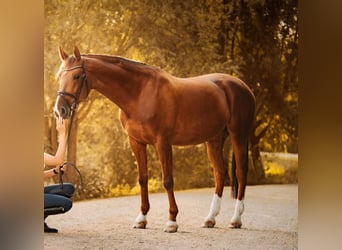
(139,151)
(164,151)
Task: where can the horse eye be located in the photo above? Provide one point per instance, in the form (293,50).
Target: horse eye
(76,77)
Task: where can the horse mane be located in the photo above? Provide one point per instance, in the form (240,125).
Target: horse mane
(127,63)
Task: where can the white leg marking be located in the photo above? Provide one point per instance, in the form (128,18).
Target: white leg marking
(171,226)
(171,223)
(140,218)
(235,222)
(140,221)
(214,208)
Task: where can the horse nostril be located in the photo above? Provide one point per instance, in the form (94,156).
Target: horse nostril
(64,112)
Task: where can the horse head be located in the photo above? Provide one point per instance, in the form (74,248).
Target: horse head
(73,85)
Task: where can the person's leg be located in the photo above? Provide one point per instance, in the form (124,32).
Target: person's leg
(67,191)
(61,205)
(55,200)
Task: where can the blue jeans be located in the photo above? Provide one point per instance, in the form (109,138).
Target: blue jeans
(55,197)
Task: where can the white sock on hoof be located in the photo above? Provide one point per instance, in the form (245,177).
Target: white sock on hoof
(171,226)
(140,218)
(171,223)
(239,208)
(214,208)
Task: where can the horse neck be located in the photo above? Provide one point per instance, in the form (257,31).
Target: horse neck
(119,84)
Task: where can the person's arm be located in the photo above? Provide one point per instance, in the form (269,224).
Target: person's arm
(50,172)
(54,171)
(58,158)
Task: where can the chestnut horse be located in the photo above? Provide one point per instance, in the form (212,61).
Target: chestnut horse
(159,109)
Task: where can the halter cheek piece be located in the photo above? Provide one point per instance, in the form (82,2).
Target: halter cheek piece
(76,96)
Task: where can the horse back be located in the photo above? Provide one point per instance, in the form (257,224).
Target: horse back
(223,94)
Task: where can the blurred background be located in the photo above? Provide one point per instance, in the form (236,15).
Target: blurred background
(256,41)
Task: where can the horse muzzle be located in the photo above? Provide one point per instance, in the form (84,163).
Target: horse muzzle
(62,108)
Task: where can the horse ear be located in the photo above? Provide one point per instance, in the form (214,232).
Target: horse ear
(62,54)
(77,53)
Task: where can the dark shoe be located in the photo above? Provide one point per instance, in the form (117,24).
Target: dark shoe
(48,229)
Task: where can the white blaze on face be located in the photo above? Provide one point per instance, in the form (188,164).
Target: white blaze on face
(55,110)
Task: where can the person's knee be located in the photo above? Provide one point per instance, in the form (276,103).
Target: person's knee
(70,186)
(68,205)
(67,190)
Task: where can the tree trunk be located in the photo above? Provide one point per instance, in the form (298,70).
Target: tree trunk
(71,174)
(257,164)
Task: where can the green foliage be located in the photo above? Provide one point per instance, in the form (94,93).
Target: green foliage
(280,168)
(268,49)
(192,168)
(254,40)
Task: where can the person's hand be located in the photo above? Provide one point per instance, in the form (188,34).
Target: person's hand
(60,169)
(60,125)
(63,168)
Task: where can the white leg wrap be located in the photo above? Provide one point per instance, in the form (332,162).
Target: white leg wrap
(239,208)
(171,226)
(140,218)
(171,223)
(140,221)
(214,208)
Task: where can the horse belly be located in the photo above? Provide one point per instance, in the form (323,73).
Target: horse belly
(197,133)
(200,120)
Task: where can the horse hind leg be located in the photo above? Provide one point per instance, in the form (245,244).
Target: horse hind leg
(239,177)
(215,155)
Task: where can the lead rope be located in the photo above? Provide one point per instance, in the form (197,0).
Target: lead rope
(61,176)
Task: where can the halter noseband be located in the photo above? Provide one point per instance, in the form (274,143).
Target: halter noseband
(76,96)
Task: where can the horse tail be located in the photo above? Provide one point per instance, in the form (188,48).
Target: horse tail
(234,178)
(235,183)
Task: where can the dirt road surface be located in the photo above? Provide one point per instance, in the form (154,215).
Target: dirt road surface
(270,221)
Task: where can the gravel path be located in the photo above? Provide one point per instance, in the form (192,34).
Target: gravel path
(270,221)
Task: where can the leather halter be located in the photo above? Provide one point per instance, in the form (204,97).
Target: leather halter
(76,96)
(74,105)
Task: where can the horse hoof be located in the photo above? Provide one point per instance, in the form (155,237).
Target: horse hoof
(209,224)
(140,225)
(171,227)
(235,225)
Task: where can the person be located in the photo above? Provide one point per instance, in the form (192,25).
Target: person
(57,200)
